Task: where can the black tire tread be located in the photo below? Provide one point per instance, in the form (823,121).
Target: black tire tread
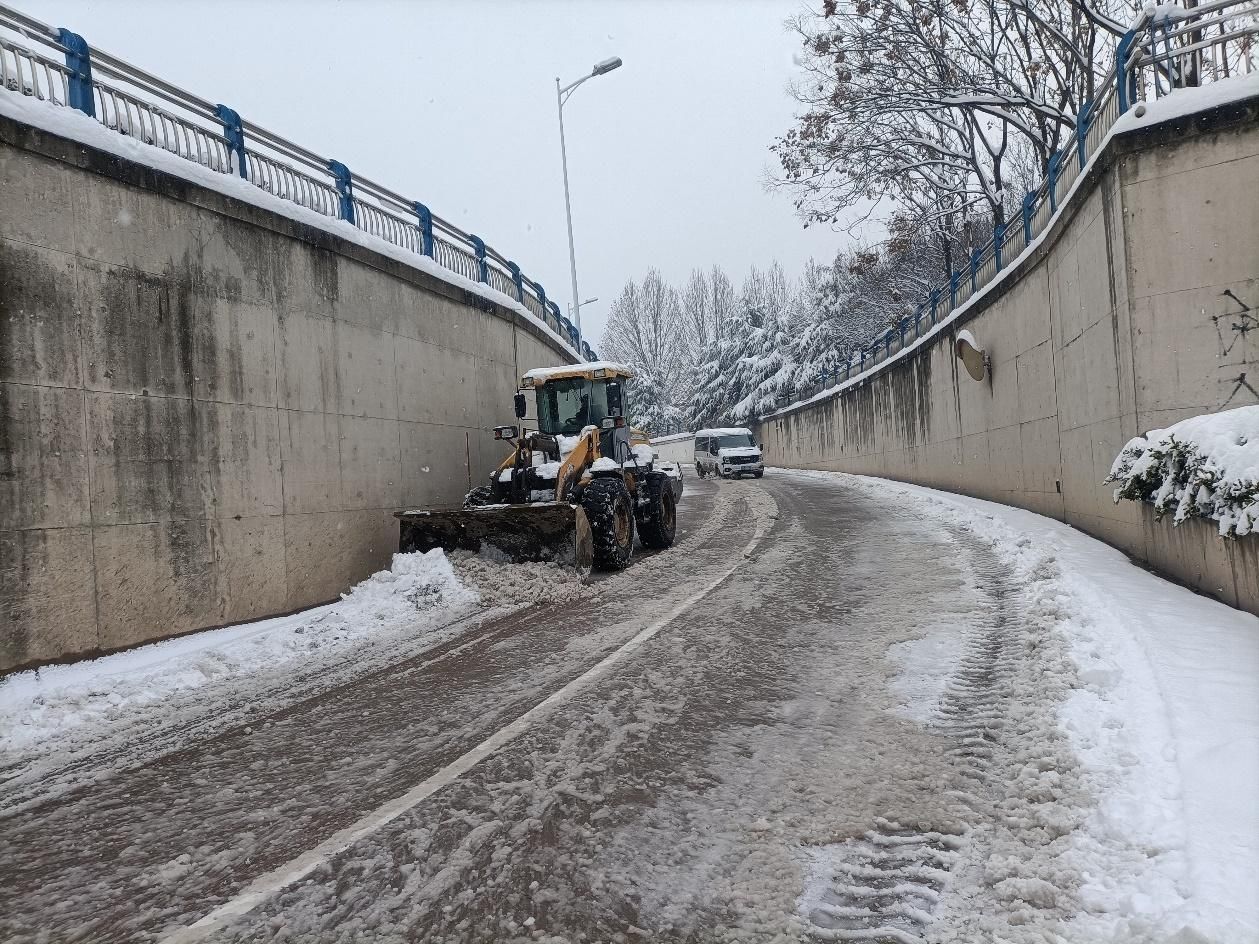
(654,527)
(599,499)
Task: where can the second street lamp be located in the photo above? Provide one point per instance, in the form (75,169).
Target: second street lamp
(561,96)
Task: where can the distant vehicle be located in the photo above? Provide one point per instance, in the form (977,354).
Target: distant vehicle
(729,453)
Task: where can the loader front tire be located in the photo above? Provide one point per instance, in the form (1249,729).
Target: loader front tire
(659,521)
(607,504)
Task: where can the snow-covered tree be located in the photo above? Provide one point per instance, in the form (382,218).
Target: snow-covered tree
(646,331)
(935,111)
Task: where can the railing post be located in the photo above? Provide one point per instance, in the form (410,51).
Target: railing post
(998,237)
(974,270)
(1081,133)
(935,299)
(1052,178)
(954,278)
(1125,82)
(79,63)
(1029,209)
(482,267)
(345,187)
(234,132)
(541,293)
(518,279)
(426,227)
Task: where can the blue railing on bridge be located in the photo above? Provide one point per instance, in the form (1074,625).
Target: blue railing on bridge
(61,68)
(1165,50)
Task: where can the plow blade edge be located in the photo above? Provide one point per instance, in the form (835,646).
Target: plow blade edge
(556,532)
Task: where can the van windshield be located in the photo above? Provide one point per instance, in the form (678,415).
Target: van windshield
(742,439)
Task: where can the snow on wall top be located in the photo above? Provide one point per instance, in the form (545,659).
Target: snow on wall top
(724,431)
(73,124)
(543,374)
(1177,104)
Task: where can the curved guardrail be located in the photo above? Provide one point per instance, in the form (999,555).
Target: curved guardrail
(59,67)
(1166,49)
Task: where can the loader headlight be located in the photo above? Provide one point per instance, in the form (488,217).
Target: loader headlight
(506,432)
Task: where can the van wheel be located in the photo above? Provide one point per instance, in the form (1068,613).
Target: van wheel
(759,474)
(607,504)
(659,521)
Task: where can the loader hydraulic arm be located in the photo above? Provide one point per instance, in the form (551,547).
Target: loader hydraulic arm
(577,462)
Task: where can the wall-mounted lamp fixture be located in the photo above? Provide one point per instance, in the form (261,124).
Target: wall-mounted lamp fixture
(973,357)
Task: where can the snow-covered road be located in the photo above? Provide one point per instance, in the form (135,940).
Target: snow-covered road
(836,709)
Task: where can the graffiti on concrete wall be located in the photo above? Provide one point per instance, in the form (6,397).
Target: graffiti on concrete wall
(1234,326)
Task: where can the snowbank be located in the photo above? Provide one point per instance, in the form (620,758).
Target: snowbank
(1206,466)
(1162,711)
(73,124)
(48,702)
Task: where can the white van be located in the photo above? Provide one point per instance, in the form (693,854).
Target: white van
(728,452)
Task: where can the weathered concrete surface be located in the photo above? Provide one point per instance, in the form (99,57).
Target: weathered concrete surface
(208,413)
(1138,310)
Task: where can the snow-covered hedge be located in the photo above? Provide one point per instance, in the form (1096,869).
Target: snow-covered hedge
(1205,466)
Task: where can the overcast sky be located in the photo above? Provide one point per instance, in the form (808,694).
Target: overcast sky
(453,103)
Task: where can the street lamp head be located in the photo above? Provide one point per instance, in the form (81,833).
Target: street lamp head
(607,65)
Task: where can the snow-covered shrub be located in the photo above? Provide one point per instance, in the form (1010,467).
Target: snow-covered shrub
(1205,466)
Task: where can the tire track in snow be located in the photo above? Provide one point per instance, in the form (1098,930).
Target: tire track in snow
(884,887)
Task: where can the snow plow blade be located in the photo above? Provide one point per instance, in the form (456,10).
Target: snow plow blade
(555,531)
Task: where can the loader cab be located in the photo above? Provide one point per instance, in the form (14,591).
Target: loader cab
(569,399)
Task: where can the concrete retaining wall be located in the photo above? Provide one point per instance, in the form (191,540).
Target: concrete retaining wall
(208,412)
(1138,310)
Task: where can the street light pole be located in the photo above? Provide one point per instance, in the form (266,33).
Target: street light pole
(568,208)
(561,96)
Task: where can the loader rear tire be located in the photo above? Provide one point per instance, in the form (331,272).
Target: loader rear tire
(658,522)
(607,504)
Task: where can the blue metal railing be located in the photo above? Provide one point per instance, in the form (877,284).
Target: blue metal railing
(1162,52)
(60,67)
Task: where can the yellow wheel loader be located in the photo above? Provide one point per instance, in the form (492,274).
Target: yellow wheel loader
(576,490)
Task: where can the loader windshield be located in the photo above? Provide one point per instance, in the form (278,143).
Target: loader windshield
(570,405)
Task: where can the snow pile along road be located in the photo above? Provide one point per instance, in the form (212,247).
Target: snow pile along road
(419,592)
(1128,764)
(1205,466)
